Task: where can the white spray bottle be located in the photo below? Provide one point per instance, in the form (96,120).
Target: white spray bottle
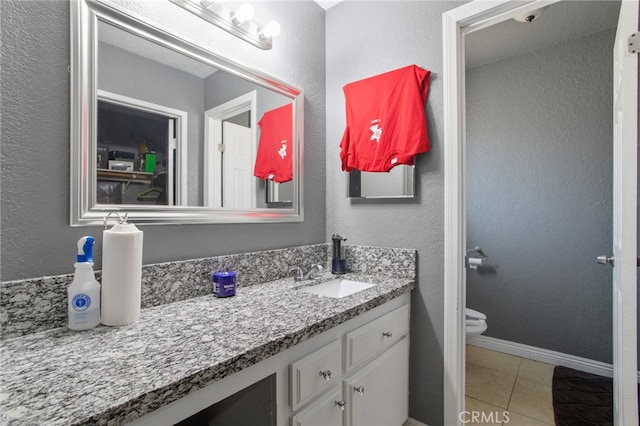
(84,292)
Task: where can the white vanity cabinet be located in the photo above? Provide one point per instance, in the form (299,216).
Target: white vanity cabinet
(366,341)
(372,388)
(314,373)
(352,374)
(327,411)
(379,393)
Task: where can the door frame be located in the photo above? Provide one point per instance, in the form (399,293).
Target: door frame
(179,144)
(625,190)
(456,23)
(213,119)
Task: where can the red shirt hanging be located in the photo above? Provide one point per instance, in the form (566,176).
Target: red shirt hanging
(386,123)
(275,148)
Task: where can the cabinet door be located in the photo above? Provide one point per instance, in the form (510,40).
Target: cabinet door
(315,372)
(327,411)
(379,393)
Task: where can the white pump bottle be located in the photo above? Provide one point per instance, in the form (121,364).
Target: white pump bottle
(84,292)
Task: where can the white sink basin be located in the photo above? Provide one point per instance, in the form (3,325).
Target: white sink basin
(336,288)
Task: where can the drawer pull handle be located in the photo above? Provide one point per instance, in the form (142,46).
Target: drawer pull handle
(325,374)
(387,334)
(359,390)
(341,404)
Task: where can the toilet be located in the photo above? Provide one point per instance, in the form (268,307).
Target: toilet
(475,323)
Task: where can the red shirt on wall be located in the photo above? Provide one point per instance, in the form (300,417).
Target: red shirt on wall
(386,123)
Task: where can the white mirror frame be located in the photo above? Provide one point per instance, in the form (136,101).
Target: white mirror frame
(84,211)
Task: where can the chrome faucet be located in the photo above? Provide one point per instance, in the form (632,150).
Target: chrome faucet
(315,271)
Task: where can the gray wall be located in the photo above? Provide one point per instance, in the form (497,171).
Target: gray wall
(221,87)
(36,239)
(365,39)
(539,193)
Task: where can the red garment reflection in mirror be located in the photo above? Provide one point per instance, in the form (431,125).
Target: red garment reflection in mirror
(273,160)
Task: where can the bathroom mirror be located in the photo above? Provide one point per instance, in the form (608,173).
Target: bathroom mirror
(167,130)
(399,182)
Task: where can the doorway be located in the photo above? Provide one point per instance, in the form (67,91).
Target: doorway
(237,166)
(458,23)
(539,205)
(141,152)
(235,120)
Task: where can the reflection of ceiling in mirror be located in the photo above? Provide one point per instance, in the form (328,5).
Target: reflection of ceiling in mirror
(137,45)
(560,22)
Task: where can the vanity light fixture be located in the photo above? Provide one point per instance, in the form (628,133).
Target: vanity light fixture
(237,22)
(272,29)
(244,13)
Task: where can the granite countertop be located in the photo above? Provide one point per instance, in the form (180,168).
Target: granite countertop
(109,375)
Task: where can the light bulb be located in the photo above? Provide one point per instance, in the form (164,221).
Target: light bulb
(271,30)
(244,13)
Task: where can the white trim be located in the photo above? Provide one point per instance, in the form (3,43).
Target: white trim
(213,119)
(457,22)
(181,143)
(454,242)
(544,355)
(625,218)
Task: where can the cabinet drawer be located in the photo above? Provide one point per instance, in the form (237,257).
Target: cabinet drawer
(325,412)
(315,372)
(365,341)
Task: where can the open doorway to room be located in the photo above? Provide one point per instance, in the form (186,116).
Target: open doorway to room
(513,166)
(230,147)
(138,145)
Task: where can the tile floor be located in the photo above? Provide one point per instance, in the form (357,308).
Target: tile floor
(509,390)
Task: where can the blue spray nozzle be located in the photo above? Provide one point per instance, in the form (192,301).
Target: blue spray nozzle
(85,249)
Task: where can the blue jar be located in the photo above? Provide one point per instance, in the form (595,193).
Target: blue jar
(224,284)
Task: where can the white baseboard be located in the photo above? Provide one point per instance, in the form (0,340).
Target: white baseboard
(414,422)
(544,355)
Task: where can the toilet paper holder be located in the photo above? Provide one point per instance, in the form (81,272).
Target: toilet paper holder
(474,257)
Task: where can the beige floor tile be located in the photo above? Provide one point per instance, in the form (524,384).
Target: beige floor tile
(536,371)
(488,385)
(493,360)
(481,413)
(533,400)
(520,420)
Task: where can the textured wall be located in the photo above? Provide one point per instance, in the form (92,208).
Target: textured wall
(365,39)
(36,237)
(539,163)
